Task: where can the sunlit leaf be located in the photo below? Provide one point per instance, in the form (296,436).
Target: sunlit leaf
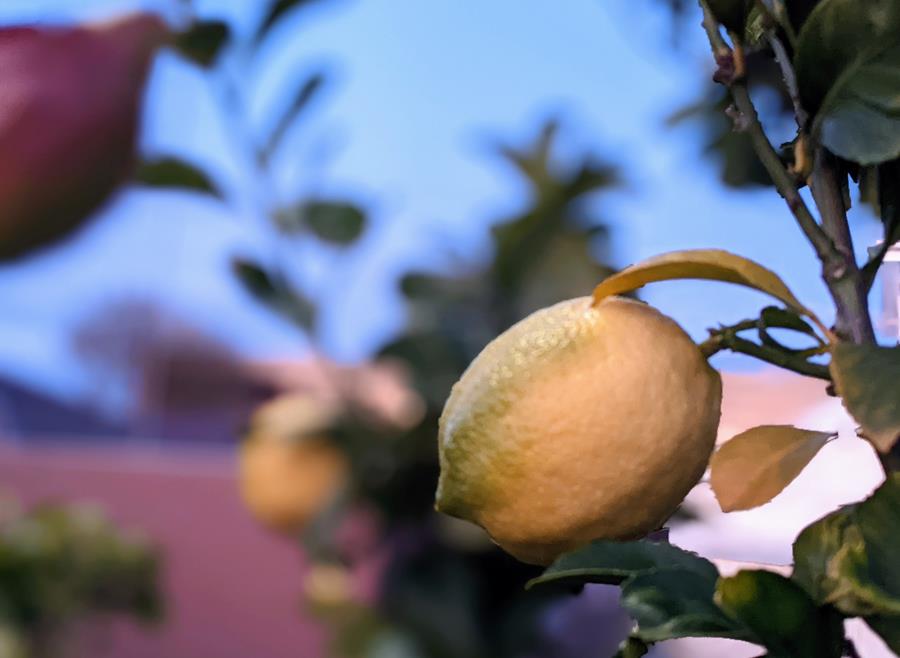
(756,465)
(849,558)
(781,615)
(203,41)
(174,173)
(611,562)
(709,264)
(867,378)
(848,72)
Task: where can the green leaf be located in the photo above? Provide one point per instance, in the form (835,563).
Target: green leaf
(611,562)
(277,11)
(675,603)
(756,465)
(308,90)
(867,378)
(848,73)
(333,221)
(169,172)
(848,559)
(708,264)
(773,317)
(781,615)
(632,647)
(203,41)
(274,291)
(731,13)
(888,628)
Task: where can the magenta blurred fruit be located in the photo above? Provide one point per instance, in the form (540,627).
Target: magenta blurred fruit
(70,102)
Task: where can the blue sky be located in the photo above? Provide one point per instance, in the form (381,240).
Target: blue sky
(418,90)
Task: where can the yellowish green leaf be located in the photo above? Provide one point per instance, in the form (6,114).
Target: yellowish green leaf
(709,264)
(756,465)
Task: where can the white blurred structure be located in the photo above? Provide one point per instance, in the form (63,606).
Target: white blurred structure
(890,286)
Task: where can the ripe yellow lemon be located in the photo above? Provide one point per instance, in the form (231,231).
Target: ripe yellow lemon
(290,471)
(580,422)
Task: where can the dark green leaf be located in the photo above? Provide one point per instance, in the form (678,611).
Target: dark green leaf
(333,221)
(848,559)
(203,41)
(782,615)
(272,290)
(848,72)
(731,13)
(798,11)
(888,628)
(277,11)
(304,96)
(867,378)
(675,603)
(175,174)
(773,317)
(611,562)
(632,647)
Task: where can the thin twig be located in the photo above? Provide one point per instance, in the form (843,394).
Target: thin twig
(726,338)
(782,179)
(790,79)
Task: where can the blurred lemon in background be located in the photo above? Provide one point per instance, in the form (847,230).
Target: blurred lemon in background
(578,423)
(289,470)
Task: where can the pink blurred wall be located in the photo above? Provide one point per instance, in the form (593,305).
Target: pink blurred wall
(231,589)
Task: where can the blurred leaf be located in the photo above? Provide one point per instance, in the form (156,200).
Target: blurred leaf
(756,465)
(781,615)
(708,264)
(272,290)
(731,13)
(675,603)
(867,377)
(848,73)
(173,173)
(333,221)
(305,94)
(535,164)
(731,150)
(277,11)
(632,647)
(849,558)
(203,41)
(612,562)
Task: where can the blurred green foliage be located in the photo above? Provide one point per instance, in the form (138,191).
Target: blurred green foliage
(61,567)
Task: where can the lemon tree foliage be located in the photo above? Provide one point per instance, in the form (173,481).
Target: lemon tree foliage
(839,75)
(866,378)
(756,465)
(848,73)
(59,564)
(709,264)
(848,560)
